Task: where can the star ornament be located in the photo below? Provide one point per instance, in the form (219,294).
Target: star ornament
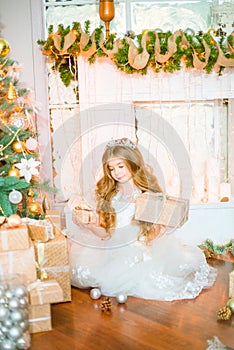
(27,168)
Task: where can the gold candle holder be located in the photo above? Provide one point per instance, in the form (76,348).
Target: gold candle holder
(106,13)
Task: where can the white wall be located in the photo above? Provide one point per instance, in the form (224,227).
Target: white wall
(15,24)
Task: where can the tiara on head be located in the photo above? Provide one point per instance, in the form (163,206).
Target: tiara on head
(121,142)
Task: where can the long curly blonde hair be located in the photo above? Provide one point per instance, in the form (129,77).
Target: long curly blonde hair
(107,187)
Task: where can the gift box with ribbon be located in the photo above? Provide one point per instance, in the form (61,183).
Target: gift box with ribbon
(84,216)
(40,318)
(20,261)
(14,238)
(162,209)
(45,292)
(39,230)
(53,262)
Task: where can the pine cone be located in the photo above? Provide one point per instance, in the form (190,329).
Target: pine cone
(224,313)
(106,305)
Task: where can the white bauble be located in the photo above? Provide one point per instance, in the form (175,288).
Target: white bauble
(15,197)
(95,293)
(121,298)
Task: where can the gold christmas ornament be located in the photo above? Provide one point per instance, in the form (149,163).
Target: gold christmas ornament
(14,172)
(19,120)
(4,47)
(14,220)
(17,147)
(34,208)
(11,93)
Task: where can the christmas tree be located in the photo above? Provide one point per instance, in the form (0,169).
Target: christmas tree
(20,184)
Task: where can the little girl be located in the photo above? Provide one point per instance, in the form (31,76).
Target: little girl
(122,255)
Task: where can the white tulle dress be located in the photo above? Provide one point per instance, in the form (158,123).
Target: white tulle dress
(167,269)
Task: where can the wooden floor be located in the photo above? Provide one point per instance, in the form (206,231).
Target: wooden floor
(141,324)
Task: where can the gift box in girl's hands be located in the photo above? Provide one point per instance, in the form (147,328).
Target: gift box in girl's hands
(161,209)
(85,216)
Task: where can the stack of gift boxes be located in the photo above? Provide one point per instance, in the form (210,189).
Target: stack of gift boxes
(38,251)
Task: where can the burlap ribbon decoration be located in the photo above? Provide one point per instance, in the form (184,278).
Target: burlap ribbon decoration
(84,40)
(135,59)
(112,52)
(171,46)
(222,60)
(230,49)
(197,63)
(139,60)
(69,39)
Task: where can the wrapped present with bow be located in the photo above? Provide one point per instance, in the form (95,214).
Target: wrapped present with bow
(162,209)
(40,318)
(52,262)
(45,292)
(39,230)
(85,216)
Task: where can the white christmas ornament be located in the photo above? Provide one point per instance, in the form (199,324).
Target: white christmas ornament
(7,344)
(15,197)
(95,293)
(31,144)
(121,298)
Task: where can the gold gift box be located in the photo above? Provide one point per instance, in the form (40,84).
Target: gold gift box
(39,230)
(40,318)
(45,292)
(161,209)
(21,262)
(84,216)
(53,262)
(231,284)
(14,238)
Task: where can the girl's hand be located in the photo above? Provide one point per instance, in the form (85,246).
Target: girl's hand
(92,228)
(77,201)
(155,231)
